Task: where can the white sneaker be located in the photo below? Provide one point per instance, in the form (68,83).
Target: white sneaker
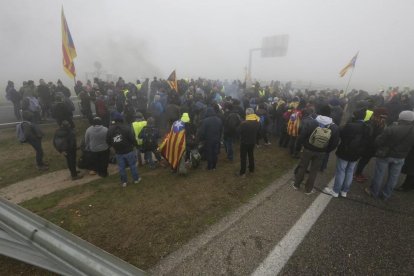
(137,181)
(311,192)
(343,194)
(124,184)
(329,191)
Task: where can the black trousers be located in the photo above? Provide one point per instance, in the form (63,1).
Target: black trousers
(246,150)
(212,151)
(100,162)
(71,161)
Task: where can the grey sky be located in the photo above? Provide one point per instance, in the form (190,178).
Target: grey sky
(211,39)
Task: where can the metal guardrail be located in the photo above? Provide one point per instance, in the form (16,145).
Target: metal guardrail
(34,240)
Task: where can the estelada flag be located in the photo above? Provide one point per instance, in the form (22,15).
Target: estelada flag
(351,64)
(173,146)
(172,81)
(68,49)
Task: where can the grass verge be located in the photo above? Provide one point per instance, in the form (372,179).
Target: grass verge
(17,161)
(144,223)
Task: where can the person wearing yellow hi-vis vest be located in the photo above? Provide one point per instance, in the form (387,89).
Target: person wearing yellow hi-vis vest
(137,126)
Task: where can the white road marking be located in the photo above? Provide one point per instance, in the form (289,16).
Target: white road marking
(282,252)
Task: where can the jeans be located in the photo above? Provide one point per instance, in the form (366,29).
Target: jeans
(246,150)
(37,145)
(313,158)
(228,146)
(343,175)
(393,165)
(128,158)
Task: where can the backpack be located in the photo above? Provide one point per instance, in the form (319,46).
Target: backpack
(60,141)
(149,140)
(34,105)
(21,136)
(262,120)
(320,137)
(195,158)
(233,121)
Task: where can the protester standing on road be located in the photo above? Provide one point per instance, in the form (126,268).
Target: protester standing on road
(408,170)
(248,135)
(393,145)
(122,139)
(354,138)
(95,142)
(231,124)
(318,138)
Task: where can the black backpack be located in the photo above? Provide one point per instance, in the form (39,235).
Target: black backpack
(60,140)
(233,121)
(149,138)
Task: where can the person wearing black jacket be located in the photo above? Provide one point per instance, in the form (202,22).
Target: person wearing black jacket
(354,138)
(248,137)
(122,139)
(210,132)
(67,134)
(34,135)
(231,124)
(311,154)
(393,146)
(15,97)
(408,170)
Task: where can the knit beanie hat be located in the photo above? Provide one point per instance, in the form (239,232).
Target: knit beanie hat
(406,115)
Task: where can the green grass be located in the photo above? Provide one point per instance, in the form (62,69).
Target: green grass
(143,223)
(17,160)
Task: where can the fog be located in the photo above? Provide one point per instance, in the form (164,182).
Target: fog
(138,39)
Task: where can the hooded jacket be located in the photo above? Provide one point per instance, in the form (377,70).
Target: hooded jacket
(249,129)
(211,127)
(95,138)
(308,129)
(398,137)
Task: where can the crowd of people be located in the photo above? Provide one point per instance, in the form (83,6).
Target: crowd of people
(133,118)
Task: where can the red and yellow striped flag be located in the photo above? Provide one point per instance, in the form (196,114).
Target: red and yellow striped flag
(68,49)
(351,64)
(173,146)
(172,81)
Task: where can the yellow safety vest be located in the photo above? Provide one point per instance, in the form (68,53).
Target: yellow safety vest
(368,115)
(126,91)
(262,93)
(138,86)
(138,126)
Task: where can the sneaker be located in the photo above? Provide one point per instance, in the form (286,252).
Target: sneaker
(311,192)
(124,185)
(329,191)
(243,175)
(295,187)
(343,194)
(137,181)
(92,173)
(268,144)
(77,177)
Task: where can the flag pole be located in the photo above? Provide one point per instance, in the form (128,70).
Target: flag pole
(349,80)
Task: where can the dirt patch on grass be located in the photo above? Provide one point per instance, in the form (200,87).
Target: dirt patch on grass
(67,201)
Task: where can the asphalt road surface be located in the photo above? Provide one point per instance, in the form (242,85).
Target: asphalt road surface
(354,236)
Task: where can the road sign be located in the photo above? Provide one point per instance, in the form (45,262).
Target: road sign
(275,46)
